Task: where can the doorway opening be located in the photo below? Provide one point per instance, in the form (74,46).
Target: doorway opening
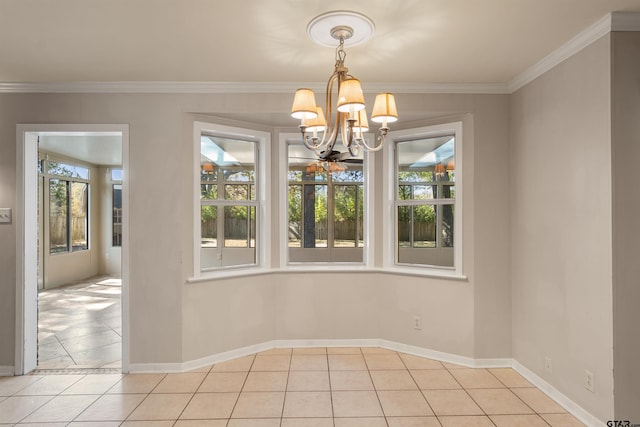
(72,281)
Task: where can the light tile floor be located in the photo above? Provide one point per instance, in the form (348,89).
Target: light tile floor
(79,325)
(302,387)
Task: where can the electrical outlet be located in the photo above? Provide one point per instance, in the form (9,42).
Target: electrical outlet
(5,215)
(417,323)
(589,381)
(547,364)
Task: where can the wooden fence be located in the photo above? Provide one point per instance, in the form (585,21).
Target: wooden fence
(343,230)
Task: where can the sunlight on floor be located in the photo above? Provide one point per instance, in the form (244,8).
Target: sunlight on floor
(79,325)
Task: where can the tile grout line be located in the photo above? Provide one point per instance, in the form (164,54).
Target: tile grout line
(286,386)
(517,397)
(469,394)
(145,398)
(48,401)
(192,396)
(244,383)
(333,415)
(418,386)
(375,390)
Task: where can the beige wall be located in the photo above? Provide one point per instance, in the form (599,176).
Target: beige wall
(626,229)
(174,322)
(561,226)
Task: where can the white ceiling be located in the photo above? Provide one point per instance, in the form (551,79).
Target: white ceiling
(415,41)
(98,148)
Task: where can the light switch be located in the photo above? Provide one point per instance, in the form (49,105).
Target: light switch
(5,215)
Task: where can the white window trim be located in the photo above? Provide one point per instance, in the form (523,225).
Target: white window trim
(263,194)
(390,252)
(369,219)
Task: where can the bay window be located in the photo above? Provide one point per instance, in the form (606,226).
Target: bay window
(231,194)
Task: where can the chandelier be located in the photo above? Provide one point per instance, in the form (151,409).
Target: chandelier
(349,119)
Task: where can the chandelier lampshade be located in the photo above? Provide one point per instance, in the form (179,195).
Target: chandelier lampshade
(362,124)
(384,109)
(317,124)
(350,97)
(304,105)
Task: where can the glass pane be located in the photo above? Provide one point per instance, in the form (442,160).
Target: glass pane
(236,191)
(426,159)
(58,209)
(245,175)
(345,216)
(79,216)
(405,192)
(314,172)
(448,192)
(208,226)
(424,192)
(415,176)
(208,171)
(314,216)
(236,230)
(353,174)
(252,226)
(218,151)
(71,171)
(116,174)
(208,191)
(294,175)
(321,216)
(424,226)
(404,226)
(447,225)
(117,215)
(295,216)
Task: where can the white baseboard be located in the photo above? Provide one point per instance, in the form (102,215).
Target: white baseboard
(145,368)
(7,371)
(328,343)
(553,393)
(227,355)
(139,368)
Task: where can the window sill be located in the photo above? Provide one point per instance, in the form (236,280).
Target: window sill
(229,273)
(424,272)
(309,267)
(329,268)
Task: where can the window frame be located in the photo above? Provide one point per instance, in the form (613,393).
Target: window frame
(262,191)
(45,171)
(390,251)
(368,219)
(113,182)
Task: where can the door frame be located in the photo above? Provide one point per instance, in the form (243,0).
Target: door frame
(26,342)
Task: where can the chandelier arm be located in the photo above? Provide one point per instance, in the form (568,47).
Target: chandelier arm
(355,149)
(346,139)
(316,144)
(331,132)
(381,140)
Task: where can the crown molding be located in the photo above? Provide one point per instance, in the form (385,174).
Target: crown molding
(570,48)
(240,87)
(625,21)
(615,21)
